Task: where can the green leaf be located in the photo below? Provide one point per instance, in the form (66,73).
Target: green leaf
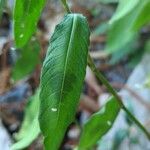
(30,127)
(26,16)
(120,34)
(99,124)
(29,58)
(128,50)
(62,77)
(143,16)
(124,28)
(124,7)
(121,31)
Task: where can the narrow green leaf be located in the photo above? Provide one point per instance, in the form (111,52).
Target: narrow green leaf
(62,77)
(128,50)
(120,34)
(30,128)
(29,58)
(143,16)
(26,15)
(121,31)
(99,124)
(124,7)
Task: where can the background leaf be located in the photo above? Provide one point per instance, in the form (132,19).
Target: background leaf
(26,15)
(99,124)
(121,31)
(30,127)
(29,58)
(143,16)
(129,49)
(62,78)
(124,7)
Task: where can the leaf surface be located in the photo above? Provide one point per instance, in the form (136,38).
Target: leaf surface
(143,16)
(99,124)
(124,7)
(62,77)
(30,127)
(121,30)
(26,16)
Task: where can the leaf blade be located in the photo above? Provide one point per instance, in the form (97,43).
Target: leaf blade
(123,9)
(121,31)
(30,127)
(143,16)
(99,124)
(61,82)
(26,15)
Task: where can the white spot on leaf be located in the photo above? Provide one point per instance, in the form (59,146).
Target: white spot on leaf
(109,123)
(53,109)
(21,35)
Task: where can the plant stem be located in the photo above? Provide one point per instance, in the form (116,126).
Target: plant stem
(136,121)
(102,79)
(65,4)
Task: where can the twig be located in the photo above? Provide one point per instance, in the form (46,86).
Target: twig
(65,4)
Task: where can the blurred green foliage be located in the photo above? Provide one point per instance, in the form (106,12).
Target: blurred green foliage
(123,32)
(99,124)
(29,58)
(25,18)
(30,129)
